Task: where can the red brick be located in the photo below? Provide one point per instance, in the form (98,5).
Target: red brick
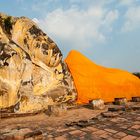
(82,138)
(111,138)
(31,138)
(120,135)
(138,131)
(94,137)
(138,118)
(50,139)
(105,135)
(114,120)
(61,138)
(50,128)
(50,136)
(7,137)
(111,130)
(93,129)
(77,133)
(62,129)
(136,122)
(85,129)
(129,137)
(124,126)
(18,137)
(135,126)
(72,128)
(99,132)
(40,137)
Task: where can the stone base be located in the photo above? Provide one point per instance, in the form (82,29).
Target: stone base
(135,99)
(56,110)
(120,101)
(98,104)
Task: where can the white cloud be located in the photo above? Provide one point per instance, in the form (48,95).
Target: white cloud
(110,18)
(36,20)
(79,27)
(94,27)
(132,19)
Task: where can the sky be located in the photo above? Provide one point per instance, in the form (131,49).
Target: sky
(106,31)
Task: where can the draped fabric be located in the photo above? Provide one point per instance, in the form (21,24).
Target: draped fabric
(93,81)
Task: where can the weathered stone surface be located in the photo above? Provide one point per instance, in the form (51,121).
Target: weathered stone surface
(136,107)
(109,114)
(120,101)
(32,73)
(98,104)
(114,108)
(58,110)
(136,99)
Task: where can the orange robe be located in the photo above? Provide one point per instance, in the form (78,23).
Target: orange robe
(93,81)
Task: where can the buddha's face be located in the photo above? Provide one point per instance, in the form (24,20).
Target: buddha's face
(31,65)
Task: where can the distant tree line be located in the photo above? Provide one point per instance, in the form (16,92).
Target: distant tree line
(137,74)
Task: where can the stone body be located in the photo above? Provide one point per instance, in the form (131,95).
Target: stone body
(32,73)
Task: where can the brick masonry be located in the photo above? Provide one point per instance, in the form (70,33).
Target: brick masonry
(124,126)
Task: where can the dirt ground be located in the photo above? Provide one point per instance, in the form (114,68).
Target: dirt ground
(43,120)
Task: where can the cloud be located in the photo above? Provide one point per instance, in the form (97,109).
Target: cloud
(132,19)
(80,27)
(110,17)
(100,29)
(36,20)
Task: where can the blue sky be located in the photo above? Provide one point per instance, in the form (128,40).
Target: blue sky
(106,31)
